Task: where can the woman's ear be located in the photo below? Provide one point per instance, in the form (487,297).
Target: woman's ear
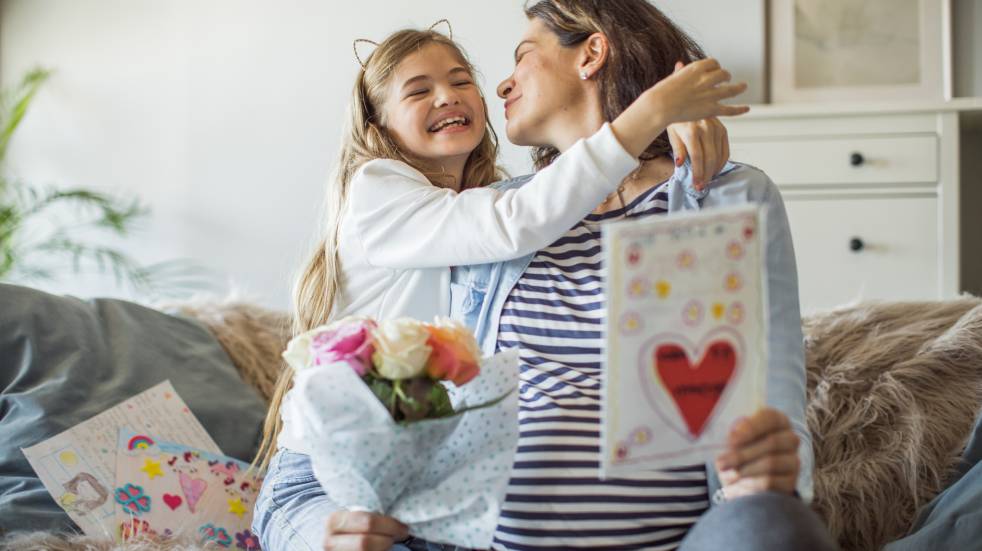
(593,57)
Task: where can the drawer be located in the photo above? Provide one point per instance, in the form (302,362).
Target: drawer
(843,160)
(862,249)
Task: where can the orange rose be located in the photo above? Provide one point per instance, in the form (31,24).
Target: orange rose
(455,355)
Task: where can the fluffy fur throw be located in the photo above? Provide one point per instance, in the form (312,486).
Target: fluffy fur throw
(893,391)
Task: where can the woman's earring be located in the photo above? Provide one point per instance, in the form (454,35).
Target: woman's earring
(583,75)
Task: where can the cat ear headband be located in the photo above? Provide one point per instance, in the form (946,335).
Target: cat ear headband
(363,61)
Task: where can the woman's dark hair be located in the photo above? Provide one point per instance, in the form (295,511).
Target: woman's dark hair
(644,46)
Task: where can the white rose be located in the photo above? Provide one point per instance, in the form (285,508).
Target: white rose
(401,351)
(297,354)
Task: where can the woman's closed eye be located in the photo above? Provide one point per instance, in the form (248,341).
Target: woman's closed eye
(463,83)
(418,93)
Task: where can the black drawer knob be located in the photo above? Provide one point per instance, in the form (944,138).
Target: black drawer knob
(856,244)
(857,159)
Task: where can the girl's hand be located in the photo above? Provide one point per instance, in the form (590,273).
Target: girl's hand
(694,92)
(761,456)
(358,531)
(706,143)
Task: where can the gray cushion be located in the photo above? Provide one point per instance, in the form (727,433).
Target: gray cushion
(64,360)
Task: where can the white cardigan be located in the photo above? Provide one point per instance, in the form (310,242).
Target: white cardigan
(400,234)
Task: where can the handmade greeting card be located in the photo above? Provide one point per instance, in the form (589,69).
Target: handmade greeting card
(686,336)
(78,466)
(164,490)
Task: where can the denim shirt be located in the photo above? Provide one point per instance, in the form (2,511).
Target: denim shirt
(478,292)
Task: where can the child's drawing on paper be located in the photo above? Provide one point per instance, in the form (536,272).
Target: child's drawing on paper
(686,336)
(164,489)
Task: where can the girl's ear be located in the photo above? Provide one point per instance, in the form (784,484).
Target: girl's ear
(593,56)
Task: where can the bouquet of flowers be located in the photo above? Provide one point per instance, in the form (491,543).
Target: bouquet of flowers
(405,419)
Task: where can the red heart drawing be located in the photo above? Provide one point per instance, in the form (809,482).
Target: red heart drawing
(173,501)
(695,389)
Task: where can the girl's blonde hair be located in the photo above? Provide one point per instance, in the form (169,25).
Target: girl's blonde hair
(365,138)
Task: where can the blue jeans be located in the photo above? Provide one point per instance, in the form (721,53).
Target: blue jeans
(292,509)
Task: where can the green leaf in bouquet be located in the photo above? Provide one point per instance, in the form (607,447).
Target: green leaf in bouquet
(440,401)
(384,391)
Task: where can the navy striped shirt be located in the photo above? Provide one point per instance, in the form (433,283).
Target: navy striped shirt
(554,315)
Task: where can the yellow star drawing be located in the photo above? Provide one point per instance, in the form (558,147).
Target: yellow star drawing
(152,468)
(235,507)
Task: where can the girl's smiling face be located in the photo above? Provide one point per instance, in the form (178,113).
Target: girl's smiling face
(434,109)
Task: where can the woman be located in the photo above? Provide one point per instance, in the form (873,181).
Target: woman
(581,62)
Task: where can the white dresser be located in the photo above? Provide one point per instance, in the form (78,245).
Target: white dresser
(885,202)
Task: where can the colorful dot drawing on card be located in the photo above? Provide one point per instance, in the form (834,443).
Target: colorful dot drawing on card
(631,323)
(686,260)
(718,310)
(139,442)
(733,282)
(734,251)
(735,313)
(748,232)
(663,289)
(641,436)
(622,452)
(692,313)
(638,288)
(152,468)
(133,500)
(68,458)
(634,255)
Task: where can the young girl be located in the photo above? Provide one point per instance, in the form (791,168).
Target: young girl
(410,201)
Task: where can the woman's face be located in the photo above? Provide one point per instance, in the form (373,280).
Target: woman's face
(433,108)
(543,88)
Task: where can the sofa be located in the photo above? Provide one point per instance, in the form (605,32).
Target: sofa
(894,394)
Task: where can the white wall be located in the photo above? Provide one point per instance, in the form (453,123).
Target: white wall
(224,115)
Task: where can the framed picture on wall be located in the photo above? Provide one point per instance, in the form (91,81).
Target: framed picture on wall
(841,50)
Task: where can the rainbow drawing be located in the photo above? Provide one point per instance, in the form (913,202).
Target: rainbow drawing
(140,442)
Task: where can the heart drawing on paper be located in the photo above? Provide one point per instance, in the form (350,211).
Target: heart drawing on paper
(192,488)
(695,388)
(173,501)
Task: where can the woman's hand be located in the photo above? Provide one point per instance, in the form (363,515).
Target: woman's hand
(358,531)
(761,456)
(705,143)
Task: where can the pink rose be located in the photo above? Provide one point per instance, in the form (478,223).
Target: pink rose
(348,341)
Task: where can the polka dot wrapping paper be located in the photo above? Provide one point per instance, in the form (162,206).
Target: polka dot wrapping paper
(445,478)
